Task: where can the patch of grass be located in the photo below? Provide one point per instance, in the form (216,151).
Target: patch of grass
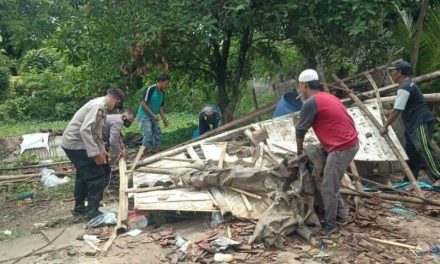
(15,234)
(60,192)
(61,222)
(27,127)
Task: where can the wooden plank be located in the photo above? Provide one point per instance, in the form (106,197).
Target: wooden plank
(222,203)
(238,208)
(246,193)
(192,153)
(136,159)
(149,189)
(123,197)
(222,155)
(213,152)
(246,202)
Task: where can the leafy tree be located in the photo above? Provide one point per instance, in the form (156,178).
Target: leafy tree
(210,40)
(343,34)
(26,24)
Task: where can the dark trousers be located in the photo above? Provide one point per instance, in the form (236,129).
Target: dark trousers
(90,178)
(419,150)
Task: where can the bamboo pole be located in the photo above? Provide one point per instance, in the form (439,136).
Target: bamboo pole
(393,147)
(376,91)
(420,79)
(390,197)
(246,202)
(389,242)
(432,97)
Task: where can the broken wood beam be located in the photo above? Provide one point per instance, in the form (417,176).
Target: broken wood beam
(222,155)
(136,159)
(390,142)
(245,193)
(223,204)
(246,202)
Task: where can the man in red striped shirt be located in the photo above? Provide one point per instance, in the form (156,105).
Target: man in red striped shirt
(335,129)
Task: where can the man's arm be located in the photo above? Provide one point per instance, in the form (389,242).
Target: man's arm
(399,105)
(393,115)
(307,117)
(163,115)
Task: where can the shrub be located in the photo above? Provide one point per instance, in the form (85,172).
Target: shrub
(4,82)
(40,60)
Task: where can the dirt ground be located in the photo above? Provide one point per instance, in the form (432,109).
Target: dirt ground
(156,243)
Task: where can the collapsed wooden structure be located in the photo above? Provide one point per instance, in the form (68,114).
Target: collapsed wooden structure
(263,146)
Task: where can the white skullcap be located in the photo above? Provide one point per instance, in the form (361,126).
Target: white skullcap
(308,75)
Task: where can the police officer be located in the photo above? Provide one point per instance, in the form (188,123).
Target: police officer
(83,144)
(111,134)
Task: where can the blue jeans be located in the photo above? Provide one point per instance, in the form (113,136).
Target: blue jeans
(151,133)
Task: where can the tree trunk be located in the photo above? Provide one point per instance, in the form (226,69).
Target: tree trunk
(418,35)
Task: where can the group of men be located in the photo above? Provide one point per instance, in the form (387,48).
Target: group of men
(83,140)
(337,134)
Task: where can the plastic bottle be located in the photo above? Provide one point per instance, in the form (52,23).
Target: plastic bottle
(138,221)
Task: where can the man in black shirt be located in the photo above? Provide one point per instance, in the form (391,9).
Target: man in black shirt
(418,121)
(209,119)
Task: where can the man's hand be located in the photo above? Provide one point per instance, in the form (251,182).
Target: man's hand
(157,117)
(383,130)
(165,122)
(100,158)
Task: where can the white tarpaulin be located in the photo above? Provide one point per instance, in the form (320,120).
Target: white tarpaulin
(34,141)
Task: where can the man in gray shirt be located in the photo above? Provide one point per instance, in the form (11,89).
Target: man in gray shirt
(83,144)
(111,134)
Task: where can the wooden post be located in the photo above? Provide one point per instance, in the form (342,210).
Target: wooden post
(123,197)
(254,96)
(222,155)
(376,91)
(136,159)
(376,123)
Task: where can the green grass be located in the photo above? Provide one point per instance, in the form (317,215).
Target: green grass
(63,191)
(15,234)
(27,127)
